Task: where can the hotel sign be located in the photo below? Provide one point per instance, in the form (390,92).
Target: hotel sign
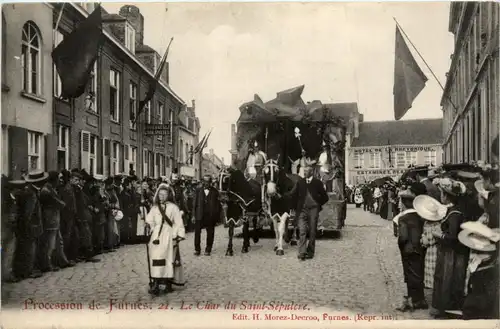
(157,130)
(381,172)
(377,149)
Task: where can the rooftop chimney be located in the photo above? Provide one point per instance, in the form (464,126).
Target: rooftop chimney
(134,16)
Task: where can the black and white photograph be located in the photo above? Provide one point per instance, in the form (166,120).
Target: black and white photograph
(250,164)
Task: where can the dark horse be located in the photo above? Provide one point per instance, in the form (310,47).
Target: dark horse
(242,204)
(279,203)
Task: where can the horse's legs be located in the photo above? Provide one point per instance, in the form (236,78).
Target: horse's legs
(276,234)
(295,232)
(230,231)
(282,226)
(246,236)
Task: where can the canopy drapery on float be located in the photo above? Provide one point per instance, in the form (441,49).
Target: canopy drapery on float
(279,117)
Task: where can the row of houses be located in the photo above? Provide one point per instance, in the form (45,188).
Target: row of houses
(97,132)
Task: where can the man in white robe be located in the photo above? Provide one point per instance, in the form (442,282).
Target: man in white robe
(167,228)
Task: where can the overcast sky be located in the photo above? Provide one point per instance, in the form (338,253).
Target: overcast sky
(224,53)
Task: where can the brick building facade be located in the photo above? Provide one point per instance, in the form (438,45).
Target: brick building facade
(188,132)
(470,102)
(95,131)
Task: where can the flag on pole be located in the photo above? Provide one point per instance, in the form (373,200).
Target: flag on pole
(409,80)
(203,143)
(154,83)
(75,56)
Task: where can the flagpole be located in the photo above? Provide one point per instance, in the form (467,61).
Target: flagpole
(423,59)
(58,19)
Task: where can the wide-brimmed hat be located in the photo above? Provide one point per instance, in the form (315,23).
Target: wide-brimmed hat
(17,183)
(429,208)
(36,176)
(478,236)
(479,185)
(451,186)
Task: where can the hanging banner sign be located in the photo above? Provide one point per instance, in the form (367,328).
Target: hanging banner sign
(157,130)
(395,149)
(381,172)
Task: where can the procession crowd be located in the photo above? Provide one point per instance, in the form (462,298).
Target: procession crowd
(55,220)
(446,221)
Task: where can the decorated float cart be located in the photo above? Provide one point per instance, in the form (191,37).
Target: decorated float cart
(292,133)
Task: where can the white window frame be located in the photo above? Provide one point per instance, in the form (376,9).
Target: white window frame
(31,32)
(129,37)
(132,157)
(411,158)
(114,83)
(159,114)
(35,149)
(133,105)
(63,131)
(92,88)
(358,159)
(57,88)
(93,156)
(148,112)
(171,122)
(115,158)
(145,163)
(430,157)
(375,160)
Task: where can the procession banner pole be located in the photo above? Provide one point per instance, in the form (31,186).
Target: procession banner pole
(425,62)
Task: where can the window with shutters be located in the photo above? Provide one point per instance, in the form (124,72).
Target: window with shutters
(411,158)
(160,117)
(145,163)
(375,159)
(401,160)
(171,122)
(35,150)
(147,112)
(130,37)
(31,59)
(115,158)
(157,164)
(430,158)
(58,37)
(132,158)
(91,98)
(358,159)
(186,161)
(114,95)
(133,105)
(100,157)
(151,162)
(181,150)
(62,147)
(163,171)
(93,155)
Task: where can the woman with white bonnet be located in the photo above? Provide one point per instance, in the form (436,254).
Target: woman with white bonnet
(452,256)
(481,301)
(167,229)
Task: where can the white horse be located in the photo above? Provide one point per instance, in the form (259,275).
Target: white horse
(278,205)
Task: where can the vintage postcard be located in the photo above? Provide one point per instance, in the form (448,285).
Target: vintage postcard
(250,164)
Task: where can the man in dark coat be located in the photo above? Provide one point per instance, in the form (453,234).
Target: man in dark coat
(129,209)
(410,227)
(207,211)
(51,210)
(84,222)
(309,195)
(30,226)
(10,214)
(69,229)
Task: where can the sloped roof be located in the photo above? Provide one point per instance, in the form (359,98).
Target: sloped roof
(112,17)
(404,132)
(144,49)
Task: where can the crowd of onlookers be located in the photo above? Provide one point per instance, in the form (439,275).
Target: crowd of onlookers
(57,219)
(446,221)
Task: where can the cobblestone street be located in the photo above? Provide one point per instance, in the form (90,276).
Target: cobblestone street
(358,272)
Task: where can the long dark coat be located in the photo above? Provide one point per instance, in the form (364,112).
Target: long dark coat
(30,224)
(214,207)
(451,264)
